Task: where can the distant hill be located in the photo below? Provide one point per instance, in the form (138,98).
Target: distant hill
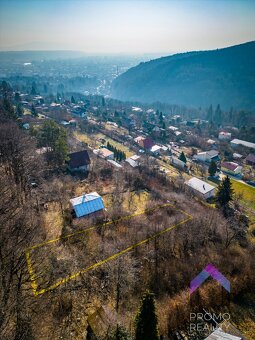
(28,56)
(224,76)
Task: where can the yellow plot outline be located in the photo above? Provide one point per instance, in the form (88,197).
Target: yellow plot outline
(112,257)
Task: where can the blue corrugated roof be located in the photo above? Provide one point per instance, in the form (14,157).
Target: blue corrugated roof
(87,204)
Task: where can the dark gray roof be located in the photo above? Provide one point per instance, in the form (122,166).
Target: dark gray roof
(78,159)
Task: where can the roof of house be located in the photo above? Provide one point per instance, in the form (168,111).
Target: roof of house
(229,165)
(139,138)
(103,152)
(243,142)
(224,133)
(147,143)
(173,128)
(118,165)
(132,162)
(237,155)
(78,159)
(250,158)
(212,153)
(199,185)
(135,157)
(155,148)
(219,334)
(87,204)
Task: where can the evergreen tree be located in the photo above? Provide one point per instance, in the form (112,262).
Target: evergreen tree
(218,115)
(6,89)
(212,168)
(209,115)
(19,110)
(225,193)
(33,90)
(230,115)
(17,97)
(54,137)
(7,110)
(146,321)
(183,157)
(72,100)
(115,152)
(161,119)
(33,111)
(119,333)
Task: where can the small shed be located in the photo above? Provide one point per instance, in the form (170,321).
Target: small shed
(87,204)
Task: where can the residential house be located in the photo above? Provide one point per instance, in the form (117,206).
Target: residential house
(226,331)
(87,204)
(144,142)
(155,149)
(156,131)
(211,142)
(224,135)
(133,161)
(201,188)
(237,155)
(79,161)
(231,168)
(104,153)
(250,159)
(173,128)
(219,334)
(238,142)
(207,156)
(177,162)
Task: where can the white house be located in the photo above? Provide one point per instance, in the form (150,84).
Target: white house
(155,149)
(177,162)
(224,135)
(207,156)
(104,153)
(238,142)
(201,188)
(87,204)
(219,334)
(231,168)
(133,161)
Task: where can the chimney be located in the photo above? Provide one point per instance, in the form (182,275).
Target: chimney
(204,186)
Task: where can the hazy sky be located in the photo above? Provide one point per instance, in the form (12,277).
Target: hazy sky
(125,26)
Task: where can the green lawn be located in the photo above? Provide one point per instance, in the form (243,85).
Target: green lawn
(247,192)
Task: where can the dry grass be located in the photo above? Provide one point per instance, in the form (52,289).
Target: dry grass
(94,141)
(53,221)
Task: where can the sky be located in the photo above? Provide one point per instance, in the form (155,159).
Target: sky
(125,26)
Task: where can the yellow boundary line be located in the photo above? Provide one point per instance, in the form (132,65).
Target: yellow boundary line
(110,258)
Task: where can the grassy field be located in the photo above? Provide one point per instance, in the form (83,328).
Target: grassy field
(94,141)
(247,193)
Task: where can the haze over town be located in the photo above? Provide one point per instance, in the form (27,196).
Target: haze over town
(127,170)
(125,26)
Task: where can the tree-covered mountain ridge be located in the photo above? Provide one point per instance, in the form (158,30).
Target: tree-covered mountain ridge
(224,76)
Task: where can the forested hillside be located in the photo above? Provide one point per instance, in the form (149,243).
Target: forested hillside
(223,76)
